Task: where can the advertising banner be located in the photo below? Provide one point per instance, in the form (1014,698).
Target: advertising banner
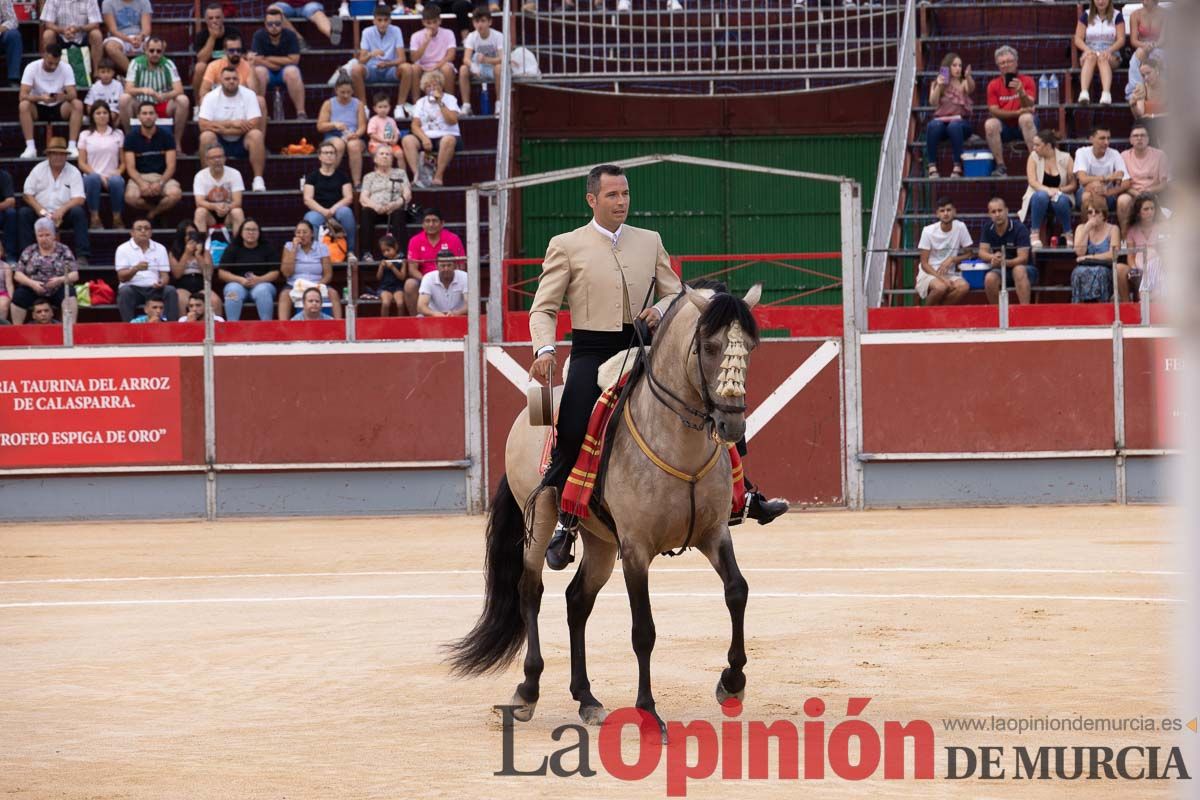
(78,412)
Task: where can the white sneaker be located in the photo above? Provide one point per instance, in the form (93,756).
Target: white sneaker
(466,110)
(848,3)
(344,9)
(1084,98)
(72,150)
(624,5)
(1105,99)
(674,5)
(258,184)
(409,109)
(30,151)
(398,113)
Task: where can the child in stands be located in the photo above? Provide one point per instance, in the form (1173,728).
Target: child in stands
(382,129)
(105,88)
(390,274)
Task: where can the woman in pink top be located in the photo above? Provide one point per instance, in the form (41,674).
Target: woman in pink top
(950,96)
(1143,266)
(102,162)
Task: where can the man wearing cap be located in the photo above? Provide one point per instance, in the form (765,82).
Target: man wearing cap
(54,191)
(608,272)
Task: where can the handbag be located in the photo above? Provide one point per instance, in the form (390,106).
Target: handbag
(101,293)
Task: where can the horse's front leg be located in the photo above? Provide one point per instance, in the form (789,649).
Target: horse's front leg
(637,583)
(719,551)
(594,570)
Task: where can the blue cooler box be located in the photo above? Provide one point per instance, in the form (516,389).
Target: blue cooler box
(362,8)
(978,163)
(973,272)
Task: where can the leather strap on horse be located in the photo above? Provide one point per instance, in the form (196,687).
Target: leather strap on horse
(690,479)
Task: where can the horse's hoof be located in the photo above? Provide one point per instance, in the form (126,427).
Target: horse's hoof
(522,708)
(723,695)
(593,715)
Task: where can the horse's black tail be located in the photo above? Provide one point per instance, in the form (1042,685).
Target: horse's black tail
(498,634)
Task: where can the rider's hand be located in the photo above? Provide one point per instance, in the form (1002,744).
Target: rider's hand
(540,371)
(651,316)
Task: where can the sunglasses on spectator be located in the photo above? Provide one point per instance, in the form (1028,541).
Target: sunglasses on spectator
(274,24)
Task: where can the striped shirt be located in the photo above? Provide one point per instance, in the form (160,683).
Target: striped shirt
(67,13)
(144,76)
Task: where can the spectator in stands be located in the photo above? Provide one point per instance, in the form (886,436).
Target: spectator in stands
(1142,269)
(195,311)
(1146,29)
(434,130)
(1148,173)
(314,12)
(217,191)
(154,309)
(128,24)
(483,60)
(310,308)
(423,250)
(73,23)
(1096,243)
(1149,99)
(1011,102)
(1100,169)
(1005,243)
(391,274)
(433,50)
(10,43)
(245,74)
(6,290)
(211,44)
(150,165)
(230,118)
(44,271)
(385,196)
(48,95)
(189,261)
(153,78)
(381,59)
(943,246)
(950,96)
(42,312)
(8,214)
(102,162)
(107,88)
(249,268)
(1099,37)
(383,132)
(54,191)
(443,292)
(275,56)
(343,120)
(328,193)
(305,263)
(1051,175)
(143,267)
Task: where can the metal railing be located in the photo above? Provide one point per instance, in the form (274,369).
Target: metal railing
(737,40)
(893,158)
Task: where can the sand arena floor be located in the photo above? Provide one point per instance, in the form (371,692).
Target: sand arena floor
(300,658)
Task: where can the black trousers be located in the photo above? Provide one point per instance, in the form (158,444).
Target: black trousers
(396,223)
(589,349)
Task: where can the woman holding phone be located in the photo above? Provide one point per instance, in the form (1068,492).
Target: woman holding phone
(950,96)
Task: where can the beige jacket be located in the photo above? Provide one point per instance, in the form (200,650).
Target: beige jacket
(604,286)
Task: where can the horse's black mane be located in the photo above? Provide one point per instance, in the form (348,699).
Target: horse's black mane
(726,308)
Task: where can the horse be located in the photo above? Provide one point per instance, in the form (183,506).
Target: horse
(668,485)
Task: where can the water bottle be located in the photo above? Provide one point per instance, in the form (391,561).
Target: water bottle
(277,106)
(1043,97)
(485,100)
(1053,90)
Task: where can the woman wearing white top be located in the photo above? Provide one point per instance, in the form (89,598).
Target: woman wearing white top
(1099,36)
(434,127)
(102,162)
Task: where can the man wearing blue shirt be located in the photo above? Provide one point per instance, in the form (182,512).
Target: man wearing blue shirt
(381,59)
(1005,240)
(311,308)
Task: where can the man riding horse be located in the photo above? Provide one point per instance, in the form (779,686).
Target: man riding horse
(607,271)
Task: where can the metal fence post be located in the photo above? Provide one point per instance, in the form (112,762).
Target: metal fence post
(471,359)
(854,322)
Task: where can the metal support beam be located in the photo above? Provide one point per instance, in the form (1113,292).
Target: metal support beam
(495,306)
(471,361)
(854,322)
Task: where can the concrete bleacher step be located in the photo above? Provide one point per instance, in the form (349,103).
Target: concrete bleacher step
(996,19)
(1037,52)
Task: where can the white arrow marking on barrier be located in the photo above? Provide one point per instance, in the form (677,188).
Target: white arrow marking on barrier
(790,387)
(517,375)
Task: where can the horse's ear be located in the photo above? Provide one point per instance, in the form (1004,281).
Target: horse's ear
(698,299)
(754,295)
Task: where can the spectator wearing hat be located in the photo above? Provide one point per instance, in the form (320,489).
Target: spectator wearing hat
(48,95)
(45,269)
(143,267)
(54,191)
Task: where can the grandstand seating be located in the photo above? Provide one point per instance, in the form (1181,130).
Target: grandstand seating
(278,209)
(1041,33)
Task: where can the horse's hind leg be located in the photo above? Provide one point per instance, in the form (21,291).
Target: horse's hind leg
(594,571)
(719,551)
(637,583)
(528,691)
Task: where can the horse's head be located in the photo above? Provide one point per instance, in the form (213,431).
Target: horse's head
(724,337)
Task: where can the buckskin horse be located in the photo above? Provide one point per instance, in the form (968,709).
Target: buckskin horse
(667,486)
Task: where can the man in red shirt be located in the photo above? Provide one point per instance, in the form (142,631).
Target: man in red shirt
(1011,101)
(423,251)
